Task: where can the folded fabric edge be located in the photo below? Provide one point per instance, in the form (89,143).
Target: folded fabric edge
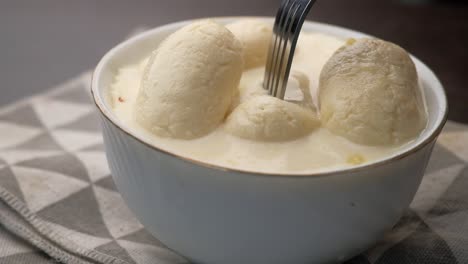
(19,220)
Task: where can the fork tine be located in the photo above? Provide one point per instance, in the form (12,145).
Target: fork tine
(295,31)
(281,47)
(280,36)
(278,32)
(286,30)
(273,46)
(287,45)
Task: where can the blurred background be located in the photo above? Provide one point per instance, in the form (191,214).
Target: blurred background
(43,43)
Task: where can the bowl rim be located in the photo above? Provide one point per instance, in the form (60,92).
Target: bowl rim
(106,112)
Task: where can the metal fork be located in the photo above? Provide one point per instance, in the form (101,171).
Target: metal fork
(286,30)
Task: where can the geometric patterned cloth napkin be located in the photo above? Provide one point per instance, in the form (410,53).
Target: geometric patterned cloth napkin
(58,203)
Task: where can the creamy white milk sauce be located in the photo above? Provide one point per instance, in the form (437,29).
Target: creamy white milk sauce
(318,151)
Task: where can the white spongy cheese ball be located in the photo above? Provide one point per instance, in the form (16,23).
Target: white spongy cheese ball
(189,81)
(369,93)
(266,118)
(255,36)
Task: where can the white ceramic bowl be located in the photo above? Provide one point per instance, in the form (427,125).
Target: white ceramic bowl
(215,215)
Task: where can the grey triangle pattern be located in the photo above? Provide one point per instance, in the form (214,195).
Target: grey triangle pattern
(442,158)
(65,163)
(43,141)
(454,229)
(96,164)
(114,249)
(404,228)
(424,245)
(12,156)
(29,258)
(9,182)
(455,198)
(23,115)
(144,237)
(433,186)
(55,113)
(99,147)
(15,134)
(119,220)
(89,122)
(41,188)
(107,183)
(79,211)
(74,95)
(72,140)
(456,143)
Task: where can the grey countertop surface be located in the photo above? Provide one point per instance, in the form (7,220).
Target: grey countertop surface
(43,43)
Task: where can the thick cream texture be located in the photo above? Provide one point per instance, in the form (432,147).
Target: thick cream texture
(320,150)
